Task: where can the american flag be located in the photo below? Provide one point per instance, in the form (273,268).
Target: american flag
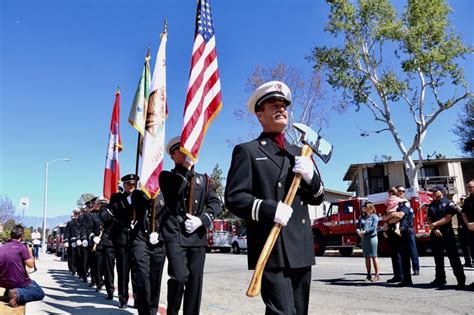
(203,99)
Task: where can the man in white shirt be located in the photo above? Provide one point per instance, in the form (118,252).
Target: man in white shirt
(36,237)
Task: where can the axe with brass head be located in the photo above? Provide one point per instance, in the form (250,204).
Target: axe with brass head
(312,142)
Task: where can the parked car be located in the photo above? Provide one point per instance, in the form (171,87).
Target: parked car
(239,242)
(51,241)
(59,239)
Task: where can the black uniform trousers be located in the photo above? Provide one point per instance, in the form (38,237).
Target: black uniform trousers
(95,269)
(106,263)
(148,262)
(446,242)
(185,269)
(72,259)
(406,250)
(123,260)
(395,244)
(467,249)
(286,291)
(84,262)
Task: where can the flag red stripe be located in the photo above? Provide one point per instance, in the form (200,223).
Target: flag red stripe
(193,120)
(211,111)
(198,82)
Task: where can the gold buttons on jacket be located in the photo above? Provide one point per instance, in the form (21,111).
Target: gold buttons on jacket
(303,221)
(279,185)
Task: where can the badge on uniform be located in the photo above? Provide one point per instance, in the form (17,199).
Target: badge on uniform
(198,181)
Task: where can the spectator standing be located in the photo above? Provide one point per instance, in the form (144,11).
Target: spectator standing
(368,233)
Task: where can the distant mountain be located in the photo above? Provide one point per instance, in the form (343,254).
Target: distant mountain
(50,222)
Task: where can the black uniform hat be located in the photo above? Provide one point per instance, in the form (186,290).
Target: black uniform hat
(437,188)
(130,178)
(93,200)
(88,203)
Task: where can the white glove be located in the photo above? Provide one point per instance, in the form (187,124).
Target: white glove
(304,166)
(192,223)
(66,244)
(79,242)
(283,213)
(73,244)
(153,238)
(96,239)
(85,243)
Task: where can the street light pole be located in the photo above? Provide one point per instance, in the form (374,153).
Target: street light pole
(45,206)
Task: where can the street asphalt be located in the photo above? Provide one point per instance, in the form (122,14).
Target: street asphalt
(338,287)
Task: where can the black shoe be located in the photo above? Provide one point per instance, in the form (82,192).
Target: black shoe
(110,297)
(84,279)
(91,285)
(468,265)
(461,286)
(416,273)
(405,284)
(98,288)
(394,280)
(123,304)
(438,283)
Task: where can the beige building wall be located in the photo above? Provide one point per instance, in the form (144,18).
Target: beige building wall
(396,175)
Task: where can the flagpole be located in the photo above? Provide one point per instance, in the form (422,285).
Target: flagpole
(153,206)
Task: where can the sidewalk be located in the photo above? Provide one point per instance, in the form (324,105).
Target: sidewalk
(67,294)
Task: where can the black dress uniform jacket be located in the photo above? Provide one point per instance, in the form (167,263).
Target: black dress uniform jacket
(206,205)
(122,211)
(260,175)
(439,209)
(468,208)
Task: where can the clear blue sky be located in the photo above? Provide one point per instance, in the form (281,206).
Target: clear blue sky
(61,62)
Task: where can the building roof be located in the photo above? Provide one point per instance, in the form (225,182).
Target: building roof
(353,168)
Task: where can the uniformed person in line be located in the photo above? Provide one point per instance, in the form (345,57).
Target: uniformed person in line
(70,238)
(104,247)
(83,253)
(192,203)
(148,253)
(440,212)
(468,216)
(122,207)
(96,279)
(259,178)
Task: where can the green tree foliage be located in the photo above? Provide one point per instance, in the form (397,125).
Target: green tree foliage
(465,129)
(387,60)
(84,198)
(217,179)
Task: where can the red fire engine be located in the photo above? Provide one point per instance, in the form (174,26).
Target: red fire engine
(220,235)
(337,230)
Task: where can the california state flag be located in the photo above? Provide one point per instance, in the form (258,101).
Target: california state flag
(112,167)
(154,137)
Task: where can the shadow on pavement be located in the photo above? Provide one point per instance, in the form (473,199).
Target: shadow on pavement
(77,291)
(87,309)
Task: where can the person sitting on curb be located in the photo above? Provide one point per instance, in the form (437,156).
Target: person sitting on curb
(14,256)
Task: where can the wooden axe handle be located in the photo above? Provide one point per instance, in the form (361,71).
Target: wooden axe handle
(256,282)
